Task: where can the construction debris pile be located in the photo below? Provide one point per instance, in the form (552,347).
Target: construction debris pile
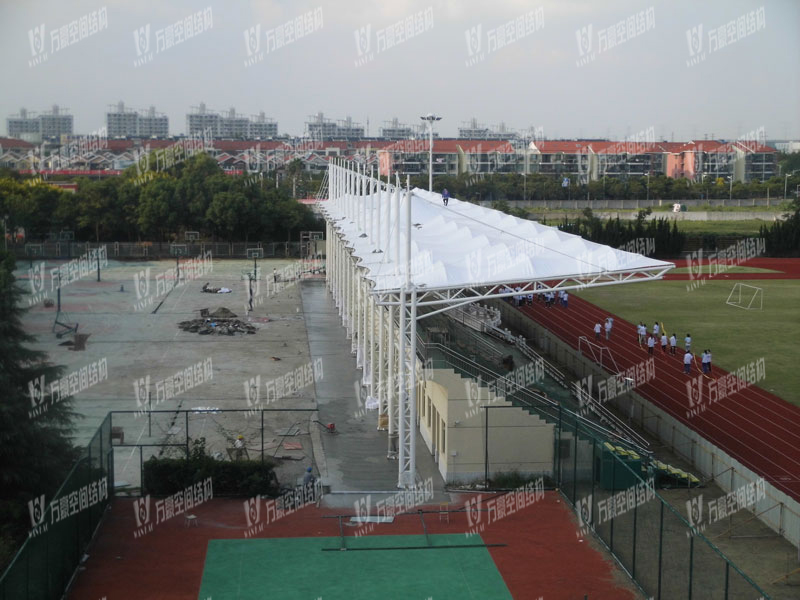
(221,322)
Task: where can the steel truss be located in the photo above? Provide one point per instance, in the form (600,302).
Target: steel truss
(381,324)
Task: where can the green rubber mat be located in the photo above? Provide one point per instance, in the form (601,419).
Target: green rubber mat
(300,568)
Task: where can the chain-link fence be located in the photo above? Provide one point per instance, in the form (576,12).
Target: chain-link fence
(155,250)
(48,559)
(611,484)
(614,495)
(281,434)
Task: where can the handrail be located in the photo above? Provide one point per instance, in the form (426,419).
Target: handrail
(530,399)
(586,399)
(549,368)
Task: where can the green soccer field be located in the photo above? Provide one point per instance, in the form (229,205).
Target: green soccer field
(299,568)
(735,336)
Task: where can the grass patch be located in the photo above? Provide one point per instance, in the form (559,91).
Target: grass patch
(735,336)
(745,227)
(712,269)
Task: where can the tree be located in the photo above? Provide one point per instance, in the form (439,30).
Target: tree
(35,448)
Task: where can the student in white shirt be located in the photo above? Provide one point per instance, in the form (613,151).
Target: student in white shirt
(656,329)
(687,363)
(704,361)
(708,354)
(639,334)
(597,329)
(608,329)
(673,343)
(565,300)
(651,343)
(530,299)
(663,343)
(688,342)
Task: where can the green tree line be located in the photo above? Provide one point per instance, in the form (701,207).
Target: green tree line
(668,241)
(36,451)
(782,238)
(513,186)
(195,195)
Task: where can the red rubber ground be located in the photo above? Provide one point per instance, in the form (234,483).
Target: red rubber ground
(757,428)
(788,268)
(543,556)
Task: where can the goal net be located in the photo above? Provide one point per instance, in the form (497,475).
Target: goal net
(748,297)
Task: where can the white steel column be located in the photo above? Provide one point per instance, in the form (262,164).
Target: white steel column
(391,388)
(401,380)
(373,354)
(381,365)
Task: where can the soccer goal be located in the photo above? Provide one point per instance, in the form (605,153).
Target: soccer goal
(748,297)
(34,249)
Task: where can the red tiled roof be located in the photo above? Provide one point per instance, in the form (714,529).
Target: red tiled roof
(6,142)
(567,147)
(754,146)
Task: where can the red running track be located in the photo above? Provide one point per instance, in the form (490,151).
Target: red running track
(788,268)
(757,428)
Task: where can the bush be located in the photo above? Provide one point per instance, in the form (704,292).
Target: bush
(246,478)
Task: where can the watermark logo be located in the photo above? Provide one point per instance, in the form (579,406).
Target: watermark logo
(395,504)
(745,496)
(694,512)
(174,277)
(624,501)
(175,385)
(501,36)
(501,506)
(36,277)
(584,38)
(66,35)
(694,39)
(473,508)
(283,35)
(252,390)
(141,508)
(141,388)
(701,397)
(363,43)
(166,508)
(36,391)
(474,40)
(643,246)
(722,36)
(252,511)
(141,283)
(171,35)
(252,43)
(274,509)
(36,508)
(36,40)
(141,38)
(66,387)
(620,383)
(583,508)
(391,35)
(279,387)
(716,263)
(65,274)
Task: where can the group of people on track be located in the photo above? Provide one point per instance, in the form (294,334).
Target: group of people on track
(658,336)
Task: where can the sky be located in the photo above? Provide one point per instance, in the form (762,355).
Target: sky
(683,70)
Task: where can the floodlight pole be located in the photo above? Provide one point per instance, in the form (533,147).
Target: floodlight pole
(430,118)
(98,262)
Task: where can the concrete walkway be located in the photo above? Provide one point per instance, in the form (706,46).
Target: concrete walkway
(353,460)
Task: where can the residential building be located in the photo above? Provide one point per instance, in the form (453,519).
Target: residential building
(55,123)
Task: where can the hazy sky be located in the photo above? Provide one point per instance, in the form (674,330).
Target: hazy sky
(545,79)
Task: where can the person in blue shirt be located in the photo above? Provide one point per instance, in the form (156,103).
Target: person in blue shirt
(445,196)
